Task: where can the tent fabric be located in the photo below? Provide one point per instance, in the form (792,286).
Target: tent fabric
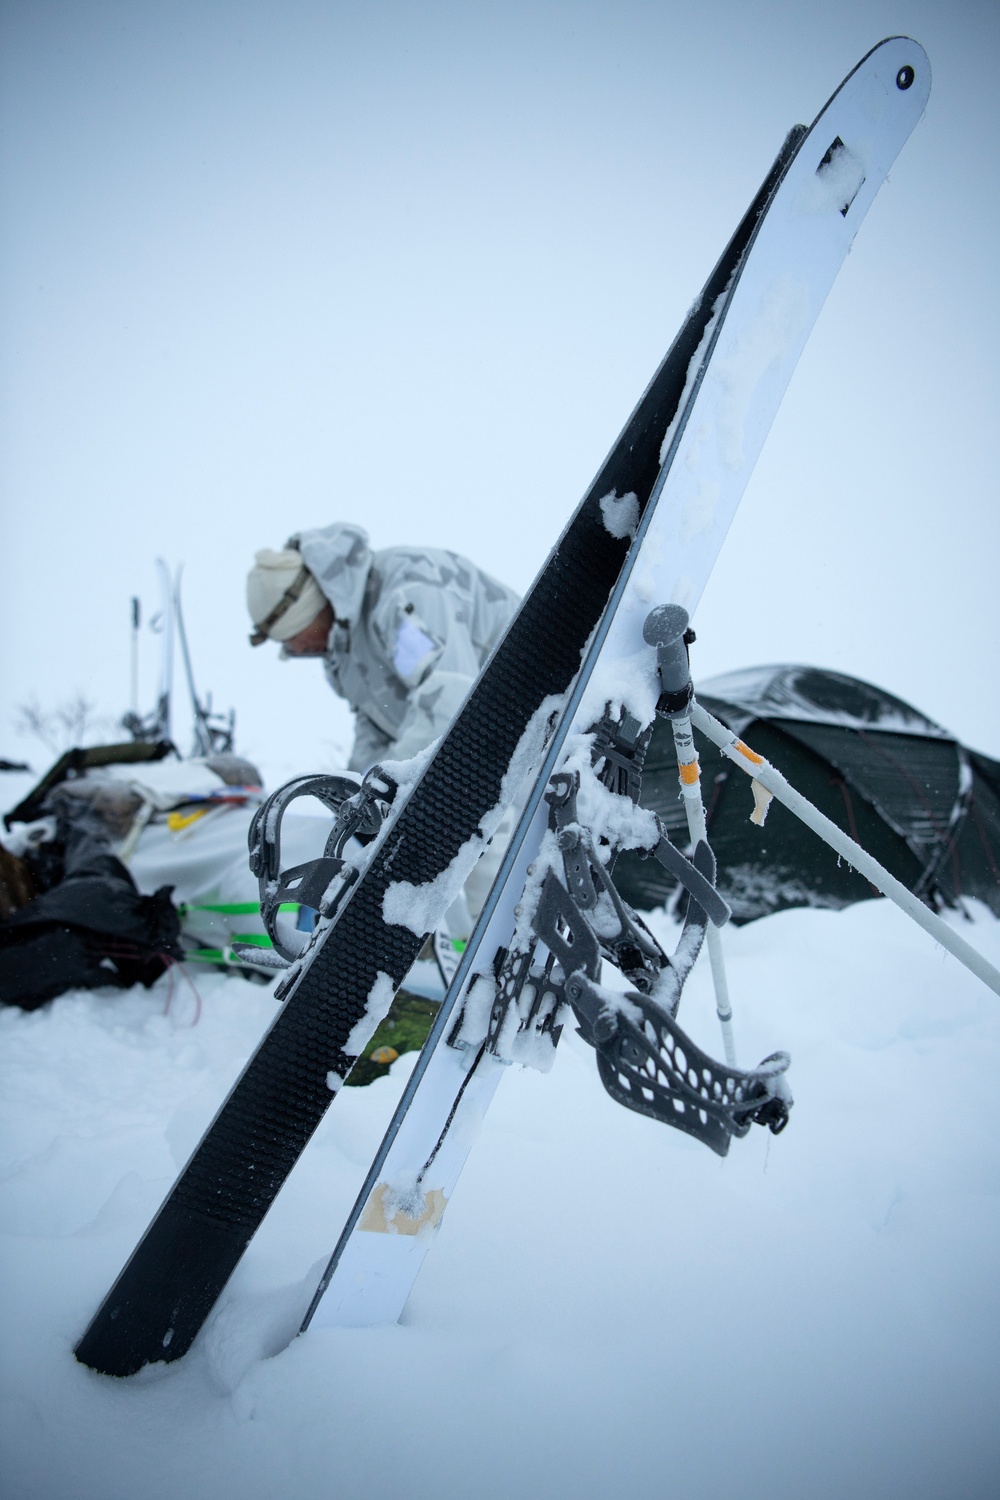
(927,808)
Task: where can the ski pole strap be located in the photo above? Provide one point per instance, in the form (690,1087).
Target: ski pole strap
(761,770)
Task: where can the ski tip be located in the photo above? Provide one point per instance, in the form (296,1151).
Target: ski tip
(887,93)
(903,66)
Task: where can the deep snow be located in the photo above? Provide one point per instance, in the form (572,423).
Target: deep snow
(608,1308)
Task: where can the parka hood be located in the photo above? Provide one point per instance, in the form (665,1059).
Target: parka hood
(339,558)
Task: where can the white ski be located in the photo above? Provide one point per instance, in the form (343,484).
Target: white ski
(736,383)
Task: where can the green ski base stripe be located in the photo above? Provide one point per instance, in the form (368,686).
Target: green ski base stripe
(234,908)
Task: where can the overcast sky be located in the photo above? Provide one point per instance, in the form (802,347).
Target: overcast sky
(265,266)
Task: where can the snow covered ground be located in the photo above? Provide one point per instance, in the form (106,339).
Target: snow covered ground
(608,1309)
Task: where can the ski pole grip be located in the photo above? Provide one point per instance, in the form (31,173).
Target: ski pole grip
(666,628)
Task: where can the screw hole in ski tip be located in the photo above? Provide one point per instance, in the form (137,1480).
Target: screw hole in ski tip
(905,77)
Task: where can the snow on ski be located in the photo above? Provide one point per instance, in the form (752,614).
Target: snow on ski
(708,456)
(699,426)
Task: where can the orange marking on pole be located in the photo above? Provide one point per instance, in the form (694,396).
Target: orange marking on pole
(689,773)
(758,760)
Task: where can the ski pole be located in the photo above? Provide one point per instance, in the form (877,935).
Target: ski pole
(134,659)
(165,623)
(694,807)
(773,783)
(202,737)
(666,628)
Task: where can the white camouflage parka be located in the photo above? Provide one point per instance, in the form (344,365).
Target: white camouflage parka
(413,627)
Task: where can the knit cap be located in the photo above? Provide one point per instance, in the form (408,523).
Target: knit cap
(282,595)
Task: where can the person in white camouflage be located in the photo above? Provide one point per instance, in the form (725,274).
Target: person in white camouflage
(403,632)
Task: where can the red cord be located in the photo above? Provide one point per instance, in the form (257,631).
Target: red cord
(170,964)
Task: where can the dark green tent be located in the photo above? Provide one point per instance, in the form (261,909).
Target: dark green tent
(927,808)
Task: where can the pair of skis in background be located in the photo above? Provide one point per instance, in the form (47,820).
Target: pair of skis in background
(212,732)
(556,725)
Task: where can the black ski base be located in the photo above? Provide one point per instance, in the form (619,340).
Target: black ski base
(143,1320)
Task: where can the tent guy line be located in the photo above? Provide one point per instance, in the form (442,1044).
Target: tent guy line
(770,778)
